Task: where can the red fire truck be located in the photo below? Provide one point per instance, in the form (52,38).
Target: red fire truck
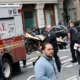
(12,47)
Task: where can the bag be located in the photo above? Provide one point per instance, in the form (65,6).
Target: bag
(36,60)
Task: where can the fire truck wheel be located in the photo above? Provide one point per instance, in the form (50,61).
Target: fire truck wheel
(7,69)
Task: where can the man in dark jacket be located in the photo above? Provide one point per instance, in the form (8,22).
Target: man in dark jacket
(73,37)
(51,38)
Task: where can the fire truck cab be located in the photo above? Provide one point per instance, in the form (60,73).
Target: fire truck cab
(12,47)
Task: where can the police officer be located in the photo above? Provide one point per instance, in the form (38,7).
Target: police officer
(51,38)
(73,37)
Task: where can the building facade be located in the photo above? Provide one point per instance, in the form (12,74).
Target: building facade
(67,10)
(36,13)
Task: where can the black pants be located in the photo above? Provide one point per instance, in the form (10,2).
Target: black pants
(24,62)
(73,52)
(57,60)
(78,57)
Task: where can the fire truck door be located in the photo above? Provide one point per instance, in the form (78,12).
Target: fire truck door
(7,33)
(12,34)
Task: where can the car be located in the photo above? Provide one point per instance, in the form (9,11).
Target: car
(60,30)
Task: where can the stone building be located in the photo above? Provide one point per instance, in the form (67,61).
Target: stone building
(67,10)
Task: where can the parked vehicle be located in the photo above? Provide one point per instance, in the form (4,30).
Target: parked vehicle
(12,47)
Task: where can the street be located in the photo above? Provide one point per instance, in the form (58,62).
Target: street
(69,72)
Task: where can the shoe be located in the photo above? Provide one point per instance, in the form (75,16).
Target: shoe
(24,66)
(73,61)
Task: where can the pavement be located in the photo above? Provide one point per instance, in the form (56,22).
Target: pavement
(69,71)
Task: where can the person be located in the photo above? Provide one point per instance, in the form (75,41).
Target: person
(59,23)
(73,38)
(45,68)
(51,38)
(36,31)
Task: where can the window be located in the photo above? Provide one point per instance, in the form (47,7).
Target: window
(49,14)
(29,17)
(30,20)
(48,18)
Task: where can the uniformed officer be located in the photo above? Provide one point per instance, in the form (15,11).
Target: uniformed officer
(51,38)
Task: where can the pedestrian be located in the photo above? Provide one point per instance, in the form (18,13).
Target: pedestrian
(51,38)
(73,38)
(45,68)
(36,31)
(59,23)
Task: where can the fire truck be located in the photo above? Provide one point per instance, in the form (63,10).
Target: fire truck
(12,47)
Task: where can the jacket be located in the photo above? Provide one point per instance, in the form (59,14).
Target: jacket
(44,69)
(51,38)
